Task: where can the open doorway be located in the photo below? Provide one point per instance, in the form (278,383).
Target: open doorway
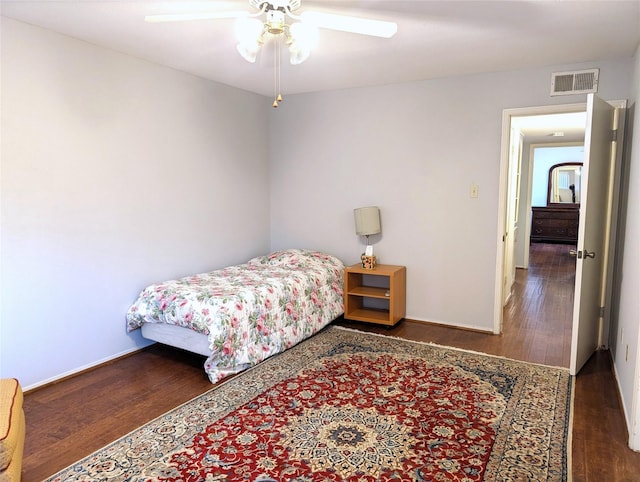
(546,225)
(595,255)
(524,130)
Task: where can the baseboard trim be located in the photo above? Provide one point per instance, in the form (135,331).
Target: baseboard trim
(84,369)
(453,327)
(626,416)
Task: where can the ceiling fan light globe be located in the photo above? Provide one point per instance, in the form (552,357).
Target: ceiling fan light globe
(249,53)
(297,55)
(248,30)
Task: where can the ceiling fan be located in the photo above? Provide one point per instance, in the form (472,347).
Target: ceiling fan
(300,37)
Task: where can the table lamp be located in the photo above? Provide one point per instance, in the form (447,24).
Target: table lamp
(367,223)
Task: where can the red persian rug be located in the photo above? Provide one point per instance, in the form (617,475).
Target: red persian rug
(351,406)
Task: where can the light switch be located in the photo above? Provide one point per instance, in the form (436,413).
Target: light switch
(473,192)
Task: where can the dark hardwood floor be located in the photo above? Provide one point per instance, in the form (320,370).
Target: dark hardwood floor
(72,418)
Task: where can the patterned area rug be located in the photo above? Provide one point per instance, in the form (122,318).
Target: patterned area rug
(352,406)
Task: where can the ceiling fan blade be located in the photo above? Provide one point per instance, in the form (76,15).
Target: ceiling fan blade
(180,17)
(364,26)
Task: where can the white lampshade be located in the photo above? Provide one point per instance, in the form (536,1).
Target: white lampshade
(367,220)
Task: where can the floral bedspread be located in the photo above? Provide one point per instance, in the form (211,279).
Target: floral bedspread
(250,311)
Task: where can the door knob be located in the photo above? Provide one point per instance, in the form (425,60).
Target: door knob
(582,254)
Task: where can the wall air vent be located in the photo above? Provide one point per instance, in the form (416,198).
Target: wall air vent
(577,82)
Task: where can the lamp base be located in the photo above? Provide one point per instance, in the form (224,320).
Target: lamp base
(368,262)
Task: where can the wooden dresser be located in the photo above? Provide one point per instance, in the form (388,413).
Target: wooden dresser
(555,224)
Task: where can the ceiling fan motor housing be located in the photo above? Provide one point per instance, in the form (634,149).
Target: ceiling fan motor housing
(291,5)
(275,22)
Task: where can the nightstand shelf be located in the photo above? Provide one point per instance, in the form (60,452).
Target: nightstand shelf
(375,295)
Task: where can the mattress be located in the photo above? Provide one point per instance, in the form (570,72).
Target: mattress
(177,336)
(245,312)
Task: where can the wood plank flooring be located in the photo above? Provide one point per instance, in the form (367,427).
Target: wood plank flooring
(72,418)
(536,320)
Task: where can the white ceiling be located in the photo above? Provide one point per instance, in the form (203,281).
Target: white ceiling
(552,128)
(434,39)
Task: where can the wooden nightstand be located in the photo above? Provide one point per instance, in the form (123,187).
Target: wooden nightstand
(375,295)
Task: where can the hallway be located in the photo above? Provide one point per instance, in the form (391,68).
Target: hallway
(540,311)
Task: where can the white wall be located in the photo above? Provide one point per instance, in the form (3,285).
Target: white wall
(625,331)
(413,149)
(115,173)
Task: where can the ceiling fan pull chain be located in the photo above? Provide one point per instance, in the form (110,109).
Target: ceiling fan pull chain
(276,72)
(279,97)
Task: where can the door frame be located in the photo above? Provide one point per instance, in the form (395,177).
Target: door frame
(503,190)
(615,183)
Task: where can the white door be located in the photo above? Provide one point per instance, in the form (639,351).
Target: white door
(593,229)
(510,230)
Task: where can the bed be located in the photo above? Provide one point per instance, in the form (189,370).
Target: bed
(241,315)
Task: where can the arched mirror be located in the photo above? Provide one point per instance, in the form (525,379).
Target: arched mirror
(564,184)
